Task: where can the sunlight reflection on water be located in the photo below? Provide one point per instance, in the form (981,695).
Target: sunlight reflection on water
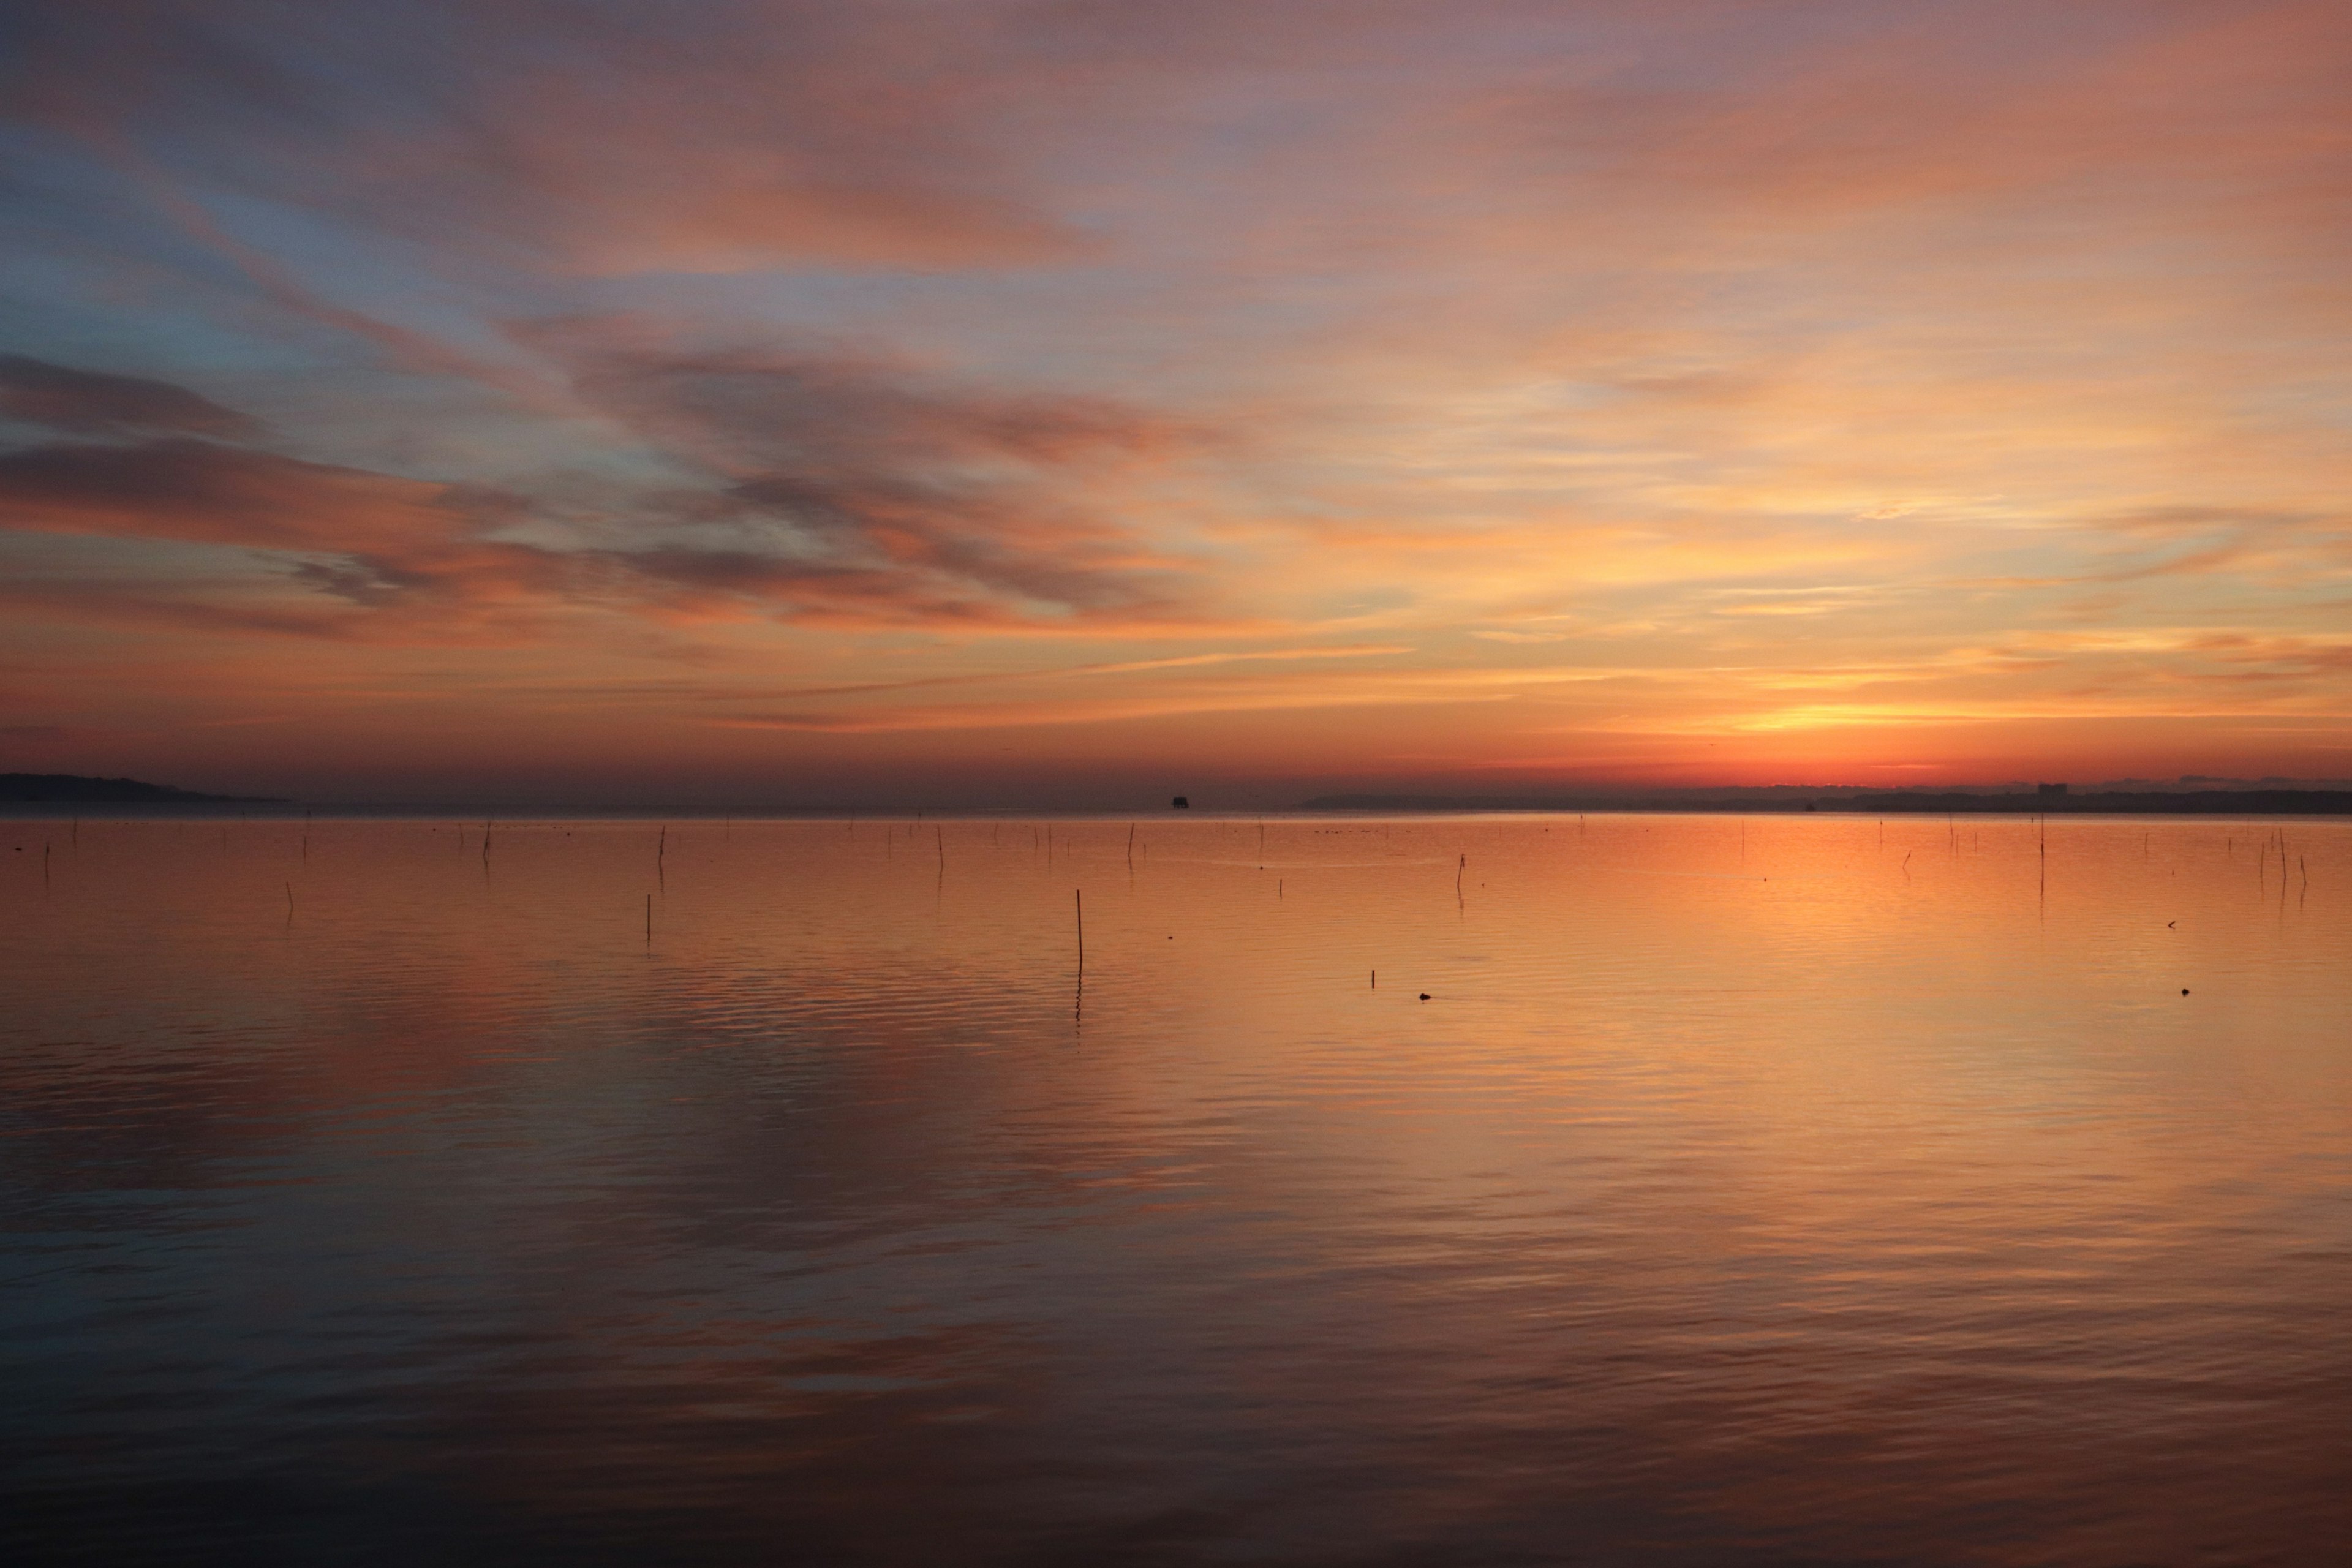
(1787,1190)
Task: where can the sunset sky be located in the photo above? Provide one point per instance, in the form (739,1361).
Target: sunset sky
(978,403)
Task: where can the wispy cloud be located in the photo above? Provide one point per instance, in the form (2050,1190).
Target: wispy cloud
(1652,379)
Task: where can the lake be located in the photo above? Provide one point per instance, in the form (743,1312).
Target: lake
(1686,1190)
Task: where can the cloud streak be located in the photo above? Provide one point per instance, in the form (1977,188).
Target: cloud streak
(1668,386)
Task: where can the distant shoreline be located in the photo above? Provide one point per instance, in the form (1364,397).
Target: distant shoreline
(2108,803)
(2281,803)
(79,789)
(44,795)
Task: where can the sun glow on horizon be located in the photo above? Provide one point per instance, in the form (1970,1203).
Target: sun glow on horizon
(785,401)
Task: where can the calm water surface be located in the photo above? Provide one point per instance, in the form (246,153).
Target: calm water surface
(1765,1191)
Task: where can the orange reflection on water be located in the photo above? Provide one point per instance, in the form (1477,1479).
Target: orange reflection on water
(1798,1185)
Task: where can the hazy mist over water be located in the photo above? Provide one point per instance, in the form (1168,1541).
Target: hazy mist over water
(1778,1190)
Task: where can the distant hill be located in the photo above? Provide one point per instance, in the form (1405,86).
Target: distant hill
(71,789)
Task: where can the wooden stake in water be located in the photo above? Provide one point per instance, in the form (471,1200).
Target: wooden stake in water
(1079,897)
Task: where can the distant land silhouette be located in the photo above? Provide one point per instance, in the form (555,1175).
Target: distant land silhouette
(74,789)
(2185,801)
(56,790)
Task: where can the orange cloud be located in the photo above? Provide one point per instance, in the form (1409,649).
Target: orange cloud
(1650,384)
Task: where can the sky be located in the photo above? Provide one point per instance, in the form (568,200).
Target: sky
(1070,403)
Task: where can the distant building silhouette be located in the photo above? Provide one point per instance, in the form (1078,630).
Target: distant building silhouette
(1181,803)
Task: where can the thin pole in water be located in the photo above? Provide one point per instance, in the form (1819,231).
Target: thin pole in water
(1078,896)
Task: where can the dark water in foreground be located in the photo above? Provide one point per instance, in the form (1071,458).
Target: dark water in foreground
(1771,1191)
